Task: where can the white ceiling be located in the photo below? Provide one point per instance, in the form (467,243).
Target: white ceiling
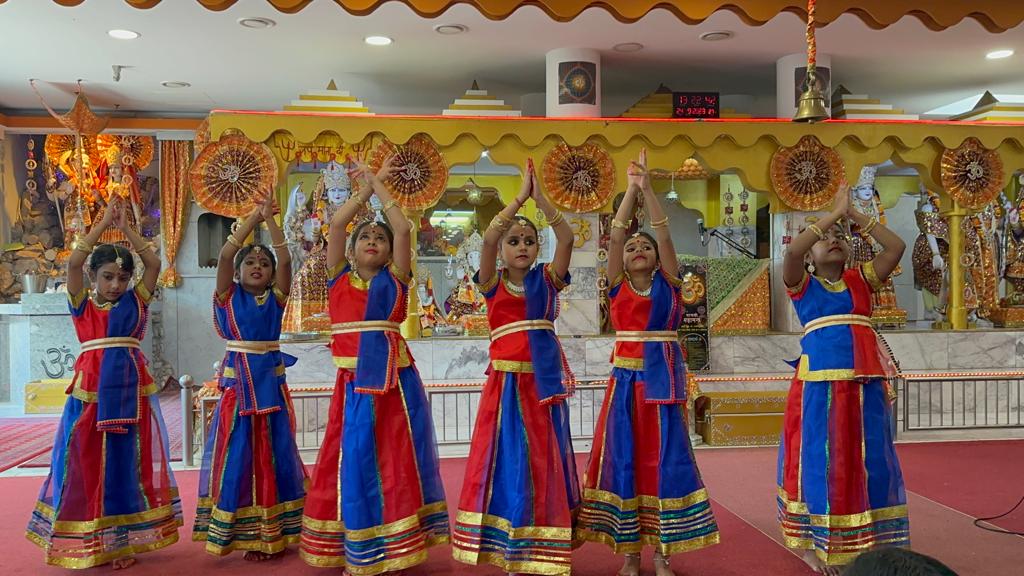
(422,72)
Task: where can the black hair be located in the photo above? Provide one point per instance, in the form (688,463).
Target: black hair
(387,232)
(106,253)
(897,562)
(246,250)
(654,243)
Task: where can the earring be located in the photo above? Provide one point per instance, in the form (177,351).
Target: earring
(810,268)
(500,263)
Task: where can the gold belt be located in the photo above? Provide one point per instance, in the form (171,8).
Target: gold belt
(253,346)
(646,336)
(837,320)
(115,342)
(521,326)
(365,325)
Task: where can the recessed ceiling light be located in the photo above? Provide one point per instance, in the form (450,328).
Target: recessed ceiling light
(628,47)
(174,84)
(997,54)
(716,36)
(377,40)
(256,23)
(123,34)
(450,29)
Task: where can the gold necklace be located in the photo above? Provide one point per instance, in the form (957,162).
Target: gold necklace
(644,293)
(512,288)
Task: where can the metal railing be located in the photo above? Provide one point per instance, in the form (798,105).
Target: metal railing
(953,401)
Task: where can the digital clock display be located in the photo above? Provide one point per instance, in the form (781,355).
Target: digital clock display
(695,105)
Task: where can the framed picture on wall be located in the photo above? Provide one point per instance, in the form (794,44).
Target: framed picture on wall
(577,83)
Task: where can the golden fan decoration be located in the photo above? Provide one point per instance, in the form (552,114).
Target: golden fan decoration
(135,150)
(421,174)
(578,179)
(806,176)
(232,176)
(972,174)
(57,144)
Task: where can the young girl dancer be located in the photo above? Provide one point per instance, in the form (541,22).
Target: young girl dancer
(376,502)
(251,485)
(840,486)
(520,493)
(110,493)
(642,486)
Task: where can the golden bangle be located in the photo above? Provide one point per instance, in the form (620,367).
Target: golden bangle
(390,205)
(870,226)
(146,246)
(558,219)
(280,245)
(82,246)
(498,222)
(234,242)
(660,223)
(817,231)
(616,223)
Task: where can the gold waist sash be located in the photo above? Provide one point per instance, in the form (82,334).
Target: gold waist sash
(646,336)
(837,320)
(115,342)
(364,326)
(521,326)
(253,346)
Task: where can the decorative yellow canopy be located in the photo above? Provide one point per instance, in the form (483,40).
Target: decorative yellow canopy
(994,15)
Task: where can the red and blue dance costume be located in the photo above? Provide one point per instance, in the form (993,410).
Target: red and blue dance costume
(376,502)
(520,494)
(252,481)
(642,486)
(840,487)
(110,493)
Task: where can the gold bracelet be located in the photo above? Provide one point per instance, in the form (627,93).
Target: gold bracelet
(817,231)
(498,222)
(660,223)
(146,246)
(558,219)
(389,206)
(280,245)
(234,242)
(82,246)
(871,226)
(616,223)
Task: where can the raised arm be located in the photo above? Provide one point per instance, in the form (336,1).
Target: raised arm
(793,262)
(499,224)
(401,253)
(226,260)
(564,237)
(338,227)
(143,248)
(659,222)
(620,224)
(84,245)
(283,274)
(892,245)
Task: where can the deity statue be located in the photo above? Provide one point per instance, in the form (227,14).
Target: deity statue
(981,260)
(465,299)
(866,200)
(429,314)
(1013,270)
(931,250)
(295,218)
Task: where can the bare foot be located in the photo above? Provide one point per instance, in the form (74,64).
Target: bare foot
(812,560)
(631,565)
(661,567)
(122,563)
(257,556)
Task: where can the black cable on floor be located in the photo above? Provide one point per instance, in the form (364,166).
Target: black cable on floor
(996,529)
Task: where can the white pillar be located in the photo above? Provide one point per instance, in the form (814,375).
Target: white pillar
(790,72)
(573,83)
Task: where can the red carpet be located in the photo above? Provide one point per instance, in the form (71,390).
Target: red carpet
(22,439)
(979,479)
(170,407)
(741,482)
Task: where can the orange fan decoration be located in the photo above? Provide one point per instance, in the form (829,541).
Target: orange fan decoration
(806,176)
(972,174)
(134,150)
(232,176)
(578,179)
(421,173)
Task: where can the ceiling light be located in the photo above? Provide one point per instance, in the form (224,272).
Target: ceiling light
(716,36)
(486,153)
(174,84)
(256,23)
(377,40)
(998,54)
(123,34)
(450,29)
(628,47)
